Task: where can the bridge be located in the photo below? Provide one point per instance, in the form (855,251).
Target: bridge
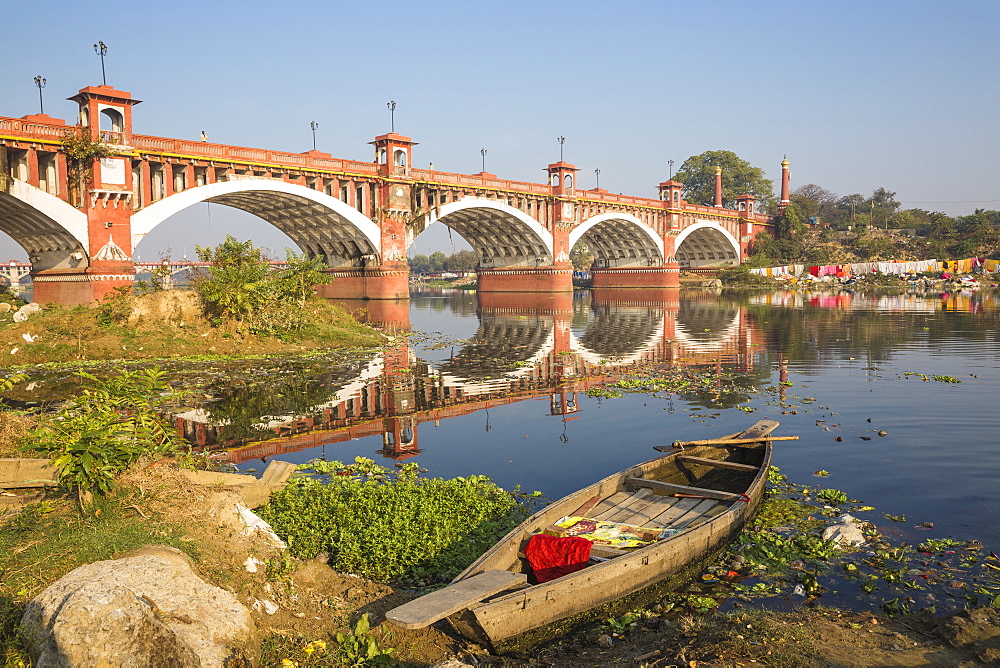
(79,220)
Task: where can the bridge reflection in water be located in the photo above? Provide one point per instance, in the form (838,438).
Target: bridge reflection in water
(525,347)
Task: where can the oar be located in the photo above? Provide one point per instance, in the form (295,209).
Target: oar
(722,441)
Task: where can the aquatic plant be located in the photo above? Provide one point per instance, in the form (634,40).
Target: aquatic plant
(393,525)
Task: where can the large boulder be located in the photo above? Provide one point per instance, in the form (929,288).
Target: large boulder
(148,609)
(167,307)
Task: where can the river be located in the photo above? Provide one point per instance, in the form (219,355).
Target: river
(502,391)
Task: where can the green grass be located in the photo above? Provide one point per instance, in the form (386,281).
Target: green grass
(46,540)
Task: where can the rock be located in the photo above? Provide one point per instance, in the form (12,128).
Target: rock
(147,609)
(971,626)
(846,530)
(171,307)
(605,641)
(26,312)
(453,663)
(5,307)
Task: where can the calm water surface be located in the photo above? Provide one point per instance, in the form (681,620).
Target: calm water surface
(501,390)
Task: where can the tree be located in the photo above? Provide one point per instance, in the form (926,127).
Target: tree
(882,205)
(791,223)
(738,177)
(436,262)
(816,202)
(419,263)
(464,260)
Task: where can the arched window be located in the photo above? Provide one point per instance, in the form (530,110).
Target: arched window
(115,118)
(568,181)
(381,156)
(555,180)
(399,157)
(677,196)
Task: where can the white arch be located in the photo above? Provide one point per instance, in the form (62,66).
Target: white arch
(62,213)
(145,220)
(712,226)
(479,203)
(577,233)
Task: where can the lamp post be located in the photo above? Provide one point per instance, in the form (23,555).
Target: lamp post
(391,104)
(100,49)
(561,140)
(40,82)
(313,125)
(483,152)
(597,173)
(671,164)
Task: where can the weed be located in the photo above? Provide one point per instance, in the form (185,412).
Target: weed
(393,526)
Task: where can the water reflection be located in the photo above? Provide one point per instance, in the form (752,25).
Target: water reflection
(524,347)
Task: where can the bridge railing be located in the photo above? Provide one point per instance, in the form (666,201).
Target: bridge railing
(33,129)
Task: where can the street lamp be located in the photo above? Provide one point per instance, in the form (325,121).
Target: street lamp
(100,49)
(561,140)
(40,82)
(671,163)
(313,125)
(391,104)
(483,152)
(597,173)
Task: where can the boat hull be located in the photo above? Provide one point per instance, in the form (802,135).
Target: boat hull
(540,605)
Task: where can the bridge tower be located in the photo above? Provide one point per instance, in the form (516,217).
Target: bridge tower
(102,188)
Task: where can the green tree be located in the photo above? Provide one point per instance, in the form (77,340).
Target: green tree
(301,276)
(791,223)
(738,177)
(816,202)
(420,263)
(463,260)
(436,261)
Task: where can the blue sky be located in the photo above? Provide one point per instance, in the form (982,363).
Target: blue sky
(859,95)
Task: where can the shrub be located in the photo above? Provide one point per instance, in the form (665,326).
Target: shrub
(109,427)
(386,527)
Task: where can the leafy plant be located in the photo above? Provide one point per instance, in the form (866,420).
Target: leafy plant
(81,151)
(106,429)
(834,496)
(393,526)
(360,648)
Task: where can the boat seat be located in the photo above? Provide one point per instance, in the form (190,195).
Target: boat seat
(437,605)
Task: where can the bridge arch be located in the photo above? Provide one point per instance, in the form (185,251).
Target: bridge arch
(52,232)
(501,235)
(321,225)
(619,240)
(705,243)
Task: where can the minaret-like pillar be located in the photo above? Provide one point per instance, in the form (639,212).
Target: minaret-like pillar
(784,201)
(718,187)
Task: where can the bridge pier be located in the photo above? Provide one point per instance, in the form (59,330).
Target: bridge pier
(667,276)
(387,282)
(526,279)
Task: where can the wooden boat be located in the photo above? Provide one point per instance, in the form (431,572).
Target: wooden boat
(701,493)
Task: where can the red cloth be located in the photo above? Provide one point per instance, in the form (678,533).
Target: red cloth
(552,557)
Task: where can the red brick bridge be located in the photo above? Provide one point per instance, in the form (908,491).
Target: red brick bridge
(80,232)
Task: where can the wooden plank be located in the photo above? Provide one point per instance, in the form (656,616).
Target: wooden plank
(25,473)
(277,472)
(609,502)
(628,501)
(606,552)
(708,516)
(692,515)
(644,511)
(760,429)
(437,605)
(718,463)
(586,508)
(679,508)
(671,488)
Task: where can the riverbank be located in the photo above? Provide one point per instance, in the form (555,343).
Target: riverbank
(308,603)
(165,325)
